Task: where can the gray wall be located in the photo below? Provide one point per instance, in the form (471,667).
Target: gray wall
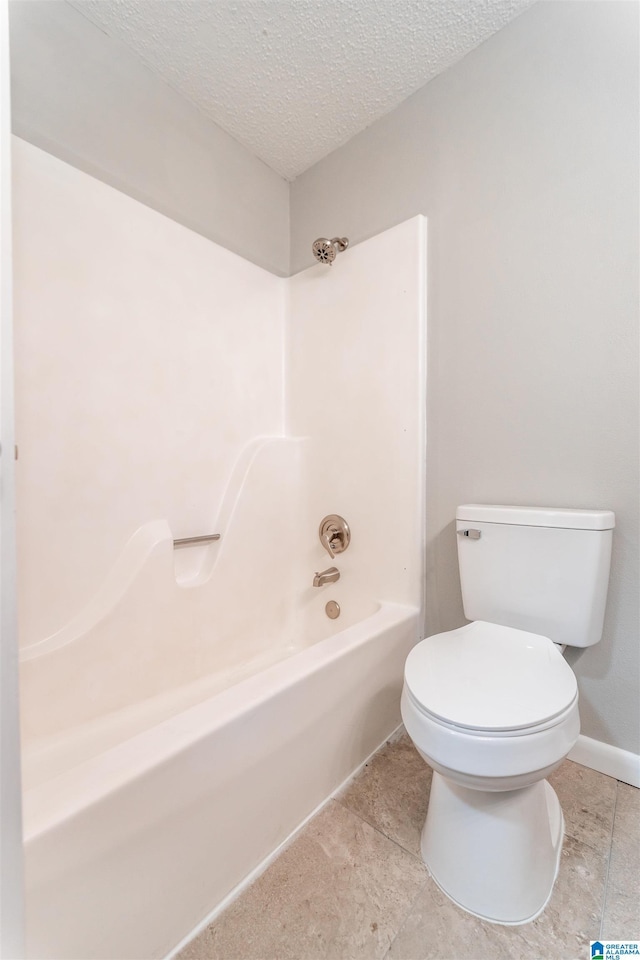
(524,157)
(87,99)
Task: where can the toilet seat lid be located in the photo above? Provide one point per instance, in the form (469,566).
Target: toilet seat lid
(488,677)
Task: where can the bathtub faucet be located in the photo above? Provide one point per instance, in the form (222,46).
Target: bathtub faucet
(330,575)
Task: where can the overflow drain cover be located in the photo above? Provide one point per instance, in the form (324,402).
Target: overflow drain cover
(332,609)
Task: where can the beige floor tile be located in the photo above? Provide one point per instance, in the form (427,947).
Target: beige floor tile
(625,846)
(628,805)
(392,793)
(621,920)
(627,820)
(574,778)
(438,930)
(340,891)
(573,915)
(588,800)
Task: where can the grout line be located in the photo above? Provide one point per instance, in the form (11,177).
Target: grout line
(397,844)
(404,920)
(576,794)
(606,879)
(381,832)
(388,743)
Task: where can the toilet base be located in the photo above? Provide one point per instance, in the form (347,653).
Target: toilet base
(495,854)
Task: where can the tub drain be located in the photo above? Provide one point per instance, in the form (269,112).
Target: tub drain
(332,609)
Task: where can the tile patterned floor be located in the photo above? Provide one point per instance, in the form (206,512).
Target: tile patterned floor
(352,885)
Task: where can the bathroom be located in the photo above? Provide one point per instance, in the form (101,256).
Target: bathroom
(492,268)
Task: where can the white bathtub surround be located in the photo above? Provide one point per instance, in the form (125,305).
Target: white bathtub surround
(171,633)
(184,711)
(356,359)
(134,338)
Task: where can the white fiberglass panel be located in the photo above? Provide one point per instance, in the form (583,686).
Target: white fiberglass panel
(144,633)
(146,358)
(356,360)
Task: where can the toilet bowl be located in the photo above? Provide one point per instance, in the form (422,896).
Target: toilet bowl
(493,711)
(493,706)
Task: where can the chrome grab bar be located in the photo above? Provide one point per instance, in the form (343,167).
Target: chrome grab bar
(193,541)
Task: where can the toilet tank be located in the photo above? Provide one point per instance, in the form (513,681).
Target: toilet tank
(544,570)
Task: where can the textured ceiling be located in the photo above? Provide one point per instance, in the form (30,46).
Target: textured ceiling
(294,79)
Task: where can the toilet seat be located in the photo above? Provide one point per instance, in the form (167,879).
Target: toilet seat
(472,733)
(486,679)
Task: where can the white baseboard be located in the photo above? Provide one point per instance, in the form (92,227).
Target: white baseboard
(621,764)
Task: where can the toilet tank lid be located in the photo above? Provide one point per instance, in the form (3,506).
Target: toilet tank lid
(537,516)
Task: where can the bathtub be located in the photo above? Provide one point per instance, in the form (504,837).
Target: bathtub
(139,825)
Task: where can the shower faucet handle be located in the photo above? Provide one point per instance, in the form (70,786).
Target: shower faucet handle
(334,533)
(327,543)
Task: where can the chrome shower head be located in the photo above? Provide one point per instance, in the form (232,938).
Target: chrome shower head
(325,251)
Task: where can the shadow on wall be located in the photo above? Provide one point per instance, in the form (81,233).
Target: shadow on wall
(442,556)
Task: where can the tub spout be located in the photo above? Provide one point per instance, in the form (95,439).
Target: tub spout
(330,575)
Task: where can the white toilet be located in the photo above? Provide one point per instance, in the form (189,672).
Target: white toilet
(493,706)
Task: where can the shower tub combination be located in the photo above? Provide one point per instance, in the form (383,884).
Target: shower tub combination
(161,768)
(188,717)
